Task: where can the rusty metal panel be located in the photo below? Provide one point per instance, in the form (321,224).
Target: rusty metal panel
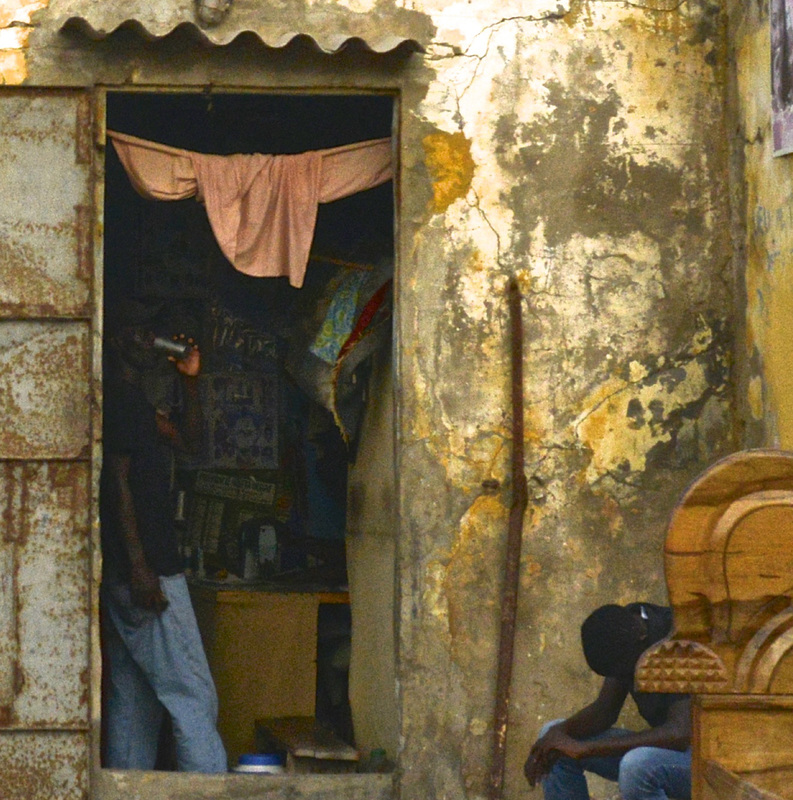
(44,766)
(45,601)
(8,635)
(45,211)
(44,390)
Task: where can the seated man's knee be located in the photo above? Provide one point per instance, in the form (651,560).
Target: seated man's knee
(637,769)
(548,725)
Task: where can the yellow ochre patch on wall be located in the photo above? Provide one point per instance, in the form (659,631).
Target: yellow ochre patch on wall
(449,161)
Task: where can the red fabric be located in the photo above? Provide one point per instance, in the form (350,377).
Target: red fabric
(369,310)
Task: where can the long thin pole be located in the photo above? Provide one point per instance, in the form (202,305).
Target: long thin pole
(509,598)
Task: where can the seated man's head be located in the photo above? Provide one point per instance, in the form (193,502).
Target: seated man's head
(613,638)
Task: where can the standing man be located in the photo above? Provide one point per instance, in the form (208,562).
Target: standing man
(652,764)
(150,637)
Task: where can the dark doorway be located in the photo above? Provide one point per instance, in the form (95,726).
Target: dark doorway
(262,508)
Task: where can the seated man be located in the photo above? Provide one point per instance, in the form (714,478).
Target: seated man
(651,764)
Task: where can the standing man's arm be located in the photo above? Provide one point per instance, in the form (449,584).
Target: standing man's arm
(144,583)
(591,720)
(186,437)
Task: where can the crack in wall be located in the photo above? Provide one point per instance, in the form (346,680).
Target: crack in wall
(483,214)
(622,479)
(457,51)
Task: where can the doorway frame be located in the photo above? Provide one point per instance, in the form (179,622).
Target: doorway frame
(109,784)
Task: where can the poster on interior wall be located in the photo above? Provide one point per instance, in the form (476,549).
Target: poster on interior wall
(782,75)
(241,414)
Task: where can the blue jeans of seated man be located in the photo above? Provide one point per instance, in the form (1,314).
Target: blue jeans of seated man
(644,773)
(157,661)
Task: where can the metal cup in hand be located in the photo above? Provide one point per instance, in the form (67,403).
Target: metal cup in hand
(179,350)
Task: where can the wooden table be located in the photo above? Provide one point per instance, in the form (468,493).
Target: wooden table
(261,645)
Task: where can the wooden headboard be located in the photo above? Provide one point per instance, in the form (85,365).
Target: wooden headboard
(729,573)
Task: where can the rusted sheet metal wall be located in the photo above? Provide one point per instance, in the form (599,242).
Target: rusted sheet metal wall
(44,649)
(52,765)
(45,211)
(45,553)
(44,409)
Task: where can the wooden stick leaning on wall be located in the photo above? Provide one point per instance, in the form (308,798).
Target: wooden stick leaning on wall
(509,597)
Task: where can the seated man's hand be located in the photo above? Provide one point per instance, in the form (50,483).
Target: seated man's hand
(540,759)
(547,750)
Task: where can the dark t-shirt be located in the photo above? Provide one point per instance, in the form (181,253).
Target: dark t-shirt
(130,428)
(653,706)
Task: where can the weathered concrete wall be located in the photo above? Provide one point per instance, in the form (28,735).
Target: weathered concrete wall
(584,152)
(576,144)
(764,235)
(371,557)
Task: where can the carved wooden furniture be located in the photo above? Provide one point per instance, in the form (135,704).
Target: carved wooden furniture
(729,572)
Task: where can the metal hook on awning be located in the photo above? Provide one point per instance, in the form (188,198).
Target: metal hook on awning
(212,12)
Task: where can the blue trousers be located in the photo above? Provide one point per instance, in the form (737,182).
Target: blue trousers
(644,773)
(157,661)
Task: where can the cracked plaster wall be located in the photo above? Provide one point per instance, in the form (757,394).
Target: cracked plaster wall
(578,145)
(599,179)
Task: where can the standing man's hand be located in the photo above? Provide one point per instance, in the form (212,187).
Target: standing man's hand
(190,365)
(186,435)
(145,589)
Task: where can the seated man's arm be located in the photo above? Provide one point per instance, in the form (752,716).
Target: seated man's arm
(591,720)
(674,734)
(599,716)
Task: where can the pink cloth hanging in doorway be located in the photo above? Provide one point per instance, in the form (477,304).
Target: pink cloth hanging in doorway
(262,208)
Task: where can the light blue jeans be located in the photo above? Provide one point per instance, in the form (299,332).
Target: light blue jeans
(644,773)
(157,661)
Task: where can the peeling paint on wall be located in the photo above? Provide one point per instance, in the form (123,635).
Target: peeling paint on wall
(768,233)
(15,29)
(628,420)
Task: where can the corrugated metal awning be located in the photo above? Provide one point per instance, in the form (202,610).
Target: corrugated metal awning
(330,24)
